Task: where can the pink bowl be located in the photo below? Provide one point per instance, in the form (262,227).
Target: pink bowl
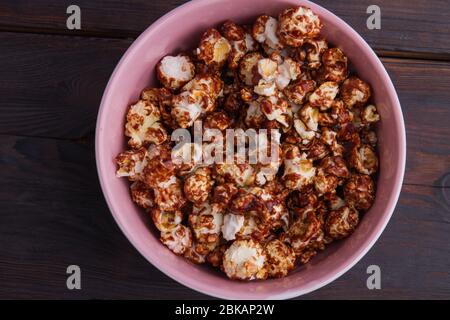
(181,29)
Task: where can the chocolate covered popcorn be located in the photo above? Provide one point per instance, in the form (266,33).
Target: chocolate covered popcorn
(276,91)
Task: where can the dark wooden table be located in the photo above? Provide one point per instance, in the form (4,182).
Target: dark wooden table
(53,214)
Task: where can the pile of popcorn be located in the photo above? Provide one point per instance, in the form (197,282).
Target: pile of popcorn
(256,221)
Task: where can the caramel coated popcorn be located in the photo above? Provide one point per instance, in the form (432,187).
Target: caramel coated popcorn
(250,220)
(174,72)
(144,125)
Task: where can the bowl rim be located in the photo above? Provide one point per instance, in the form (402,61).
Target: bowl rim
(333,274)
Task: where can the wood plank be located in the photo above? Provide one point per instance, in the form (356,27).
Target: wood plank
(424,91)
(417,27)
(52,86)
(58,91)
(53,215)
(413,258)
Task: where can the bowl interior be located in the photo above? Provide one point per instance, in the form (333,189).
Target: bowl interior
(181,30)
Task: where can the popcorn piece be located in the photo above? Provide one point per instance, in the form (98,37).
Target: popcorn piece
(159,167)
(142,195)
(250,42)
(131,164)
(175,71)
(324,95)
(232,223)
(245,260)
(259,216)
(298,170)
(317,150)
(232,31)
(269,201)
(267,68)
(166,221)
(206,221)
(217,120)
(340,112)
(253,228)
(326,119)
(310,116)
(194,254)
(143,125)
(248,68)
(304,199)
(188,106)
(288,70)
(335,166)
(162,98)
(224,193)
(244,203)
(254,116)
(213,49)
(296,24)
(198,185)
(264,88)
(357,120)
(325,183)
(169,194)
(314,48)
(268,71)
(153,95)
(369,137)
(210,84)
(247,95)
(236,36)
(370,115)
(355,92)
(297,91)
(267,170)
(306,255)
(335,202)
(239,172)
(303,232)
(199,96)
(178,239)
(265,31)
(215,257)
(341,222)
(280,258)
(276,108)
(305,134)
(187,157)
(359,191)
(329,137)
(334,65)
(364,159)
(279,216)
(238,51)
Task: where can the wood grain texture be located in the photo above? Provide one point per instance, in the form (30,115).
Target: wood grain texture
(424,92)
(54,215)
(419,27)
(52,210)
(58,89)
(51,85)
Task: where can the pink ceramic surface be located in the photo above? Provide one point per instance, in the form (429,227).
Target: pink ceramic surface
(181,29)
